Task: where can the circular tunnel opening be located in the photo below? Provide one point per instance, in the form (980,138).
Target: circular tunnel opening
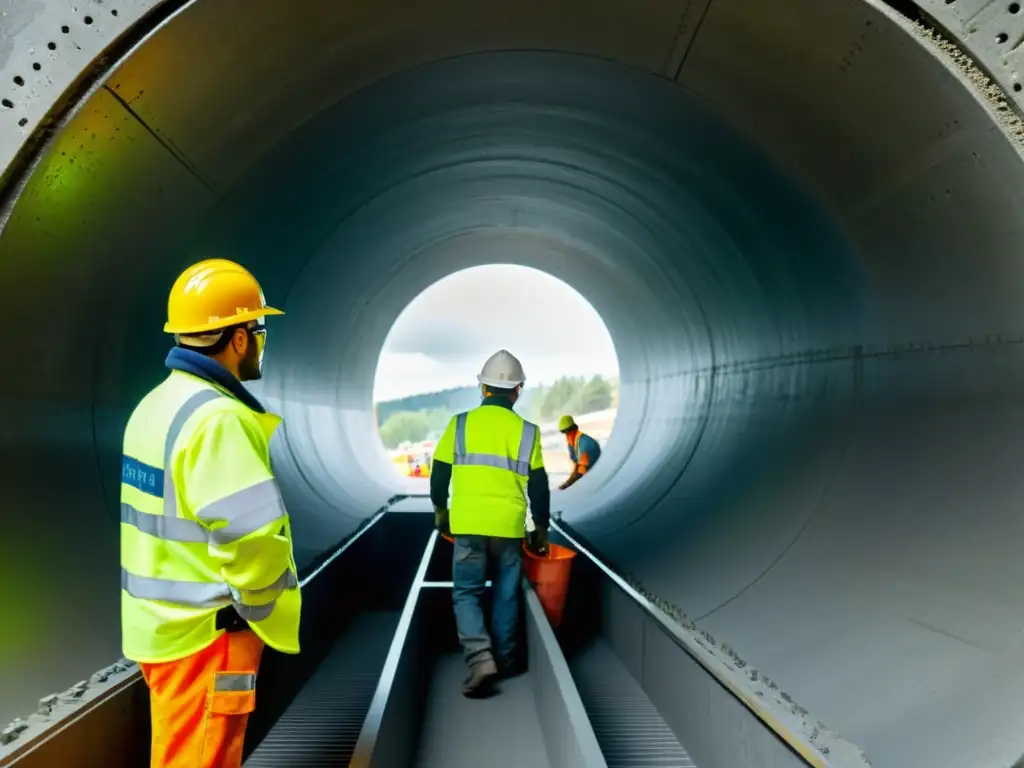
(428,363)
(698,250)
(808,263)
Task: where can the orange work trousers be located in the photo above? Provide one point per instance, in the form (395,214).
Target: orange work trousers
(200,705)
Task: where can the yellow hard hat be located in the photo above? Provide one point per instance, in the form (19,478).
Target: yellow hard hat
(214,294)
(566,422)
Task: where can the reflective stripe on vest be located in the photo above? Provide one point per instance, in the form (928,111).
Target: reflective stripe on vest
(240,682)
(197,594)
(163,527)
(520,466)
(192,594)
(193,404)
(246,511)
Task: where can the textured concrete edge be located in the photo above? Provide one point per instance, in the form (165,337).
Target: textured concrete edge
(989,54)
(58,711)
(366,743)
(51,93)
(52,62)
(818,745)
(552,679)
(964,61)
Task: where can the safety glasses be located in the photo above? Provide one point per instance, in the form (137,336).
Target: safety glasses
(259,333)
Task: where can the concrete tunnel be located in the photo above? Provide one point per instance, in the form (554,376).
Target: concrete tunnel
(800,220)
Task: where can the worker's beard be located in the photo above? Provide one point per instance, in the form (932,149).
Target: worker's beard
(251,367)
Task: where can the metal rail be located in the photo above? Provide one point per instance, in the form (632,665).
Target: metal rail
(368,750)
(394,734)
(818,748)
(568,732)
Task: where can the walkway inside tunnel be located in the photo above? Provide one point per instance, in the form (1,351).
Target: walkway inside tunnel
(799,220)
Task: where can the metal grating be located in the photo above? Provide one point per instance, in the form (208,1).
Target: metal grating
(320,728)
(629,729)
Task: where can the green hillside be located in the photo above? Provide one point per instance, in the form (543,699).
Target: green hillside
(418,417)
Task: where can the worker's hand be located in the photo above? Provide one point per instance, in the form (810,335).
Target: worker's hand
(563,486)
(441,520)
(537,541)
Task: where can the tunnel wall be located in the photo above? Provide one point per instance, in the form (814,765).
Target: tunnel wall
(455,181)
(815,309)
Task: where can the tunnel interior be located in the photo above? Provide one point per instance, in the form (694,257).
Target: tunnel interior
(797,219)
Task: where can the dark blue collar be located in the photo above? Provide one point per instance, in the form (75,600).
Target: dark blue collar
(208,369)
(498,400)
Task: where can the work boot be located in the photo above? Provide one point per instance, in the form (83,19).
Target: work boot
(481,679)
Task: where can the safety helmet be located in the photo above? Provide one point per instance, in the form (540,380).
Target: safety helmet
(502,370)
(566,423)
(214,294)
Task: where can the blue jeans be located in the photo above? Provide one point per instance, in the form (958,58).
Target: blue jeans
(469,574)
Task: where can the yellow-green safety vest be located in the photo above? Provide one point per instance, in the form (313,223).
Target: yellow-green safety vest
(203,525)
(492,450)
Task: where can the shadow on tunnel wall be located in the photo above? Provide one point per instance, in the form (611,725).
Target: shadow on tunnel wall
(696,249)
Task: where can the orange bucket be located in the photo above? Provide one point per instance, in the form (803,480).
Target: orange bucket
(550,578)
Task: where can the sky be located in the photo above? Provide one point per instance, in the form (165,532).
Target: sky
(448,331)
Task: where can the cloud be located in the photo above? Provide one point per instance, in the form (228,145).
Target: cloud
(403,374)
(445,334)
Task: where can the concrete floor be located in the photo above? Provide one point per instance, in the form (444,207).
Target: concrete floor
(500,732)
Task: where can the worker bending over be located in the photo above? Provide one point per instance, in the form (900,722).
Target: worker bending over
(207,570)
(492,458)
(584,451)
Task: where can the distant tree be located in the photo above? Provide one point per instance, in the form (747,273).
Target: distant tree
(438,419)
(404,426)
(412,419)
(560,397)
(450,401)
(596,395)
(531,401)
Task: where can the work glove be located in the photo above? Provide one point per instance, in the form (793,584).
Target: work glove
(537,541)
(441,520)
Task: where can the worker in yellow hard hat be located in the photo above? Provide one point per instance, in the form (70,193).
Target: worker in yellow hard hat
(584,451)
(208,576)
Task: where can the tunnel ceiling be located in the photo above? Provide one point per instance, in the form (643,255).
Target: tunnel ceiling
(805,249)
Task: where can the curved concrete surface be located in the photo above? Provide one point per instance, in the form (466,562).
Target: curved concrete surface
(805,249)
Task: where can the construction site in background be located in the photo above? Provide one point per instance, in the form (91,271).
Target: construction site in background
(412,460)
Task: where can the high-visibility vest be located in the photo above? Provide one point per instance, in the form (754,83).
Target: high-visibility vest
(203,525)
(593,452)
(492,450)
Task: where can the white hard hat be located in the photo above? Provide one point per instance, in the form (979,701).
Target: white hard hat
(502,370)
